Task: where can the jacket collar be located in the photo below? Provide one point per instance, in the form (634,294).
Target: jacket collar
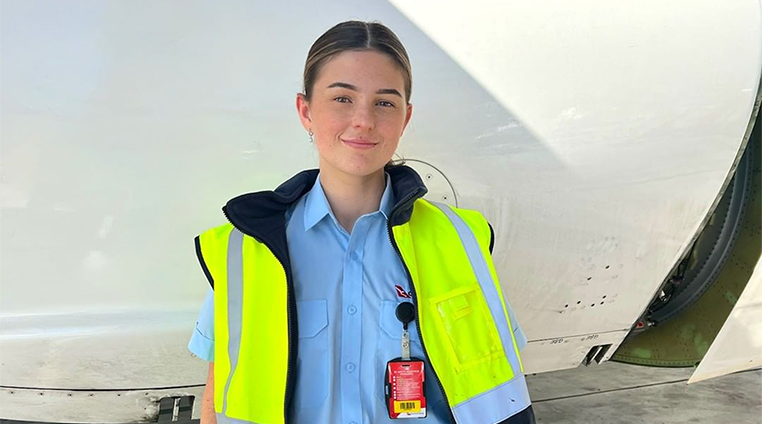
(262,214)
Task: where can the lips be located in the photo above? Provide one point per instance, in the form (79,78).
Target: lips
(359,143)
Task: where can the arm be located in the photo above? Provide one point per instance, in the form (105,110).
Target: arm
(202,345)
(518,333)
(521,339)
(207,403)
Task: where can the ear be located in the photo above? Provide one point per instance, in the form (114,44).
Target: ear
(303,109)
(408,115)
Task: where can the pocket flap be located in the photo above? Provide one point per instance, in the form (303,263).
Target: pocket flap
(312,317)
(391,325)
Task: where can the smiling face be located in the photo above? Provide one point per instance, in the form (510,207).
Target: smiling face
(357,112)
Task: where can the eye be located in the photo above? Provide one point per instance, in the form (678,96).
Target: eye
(342,99)
(386,103)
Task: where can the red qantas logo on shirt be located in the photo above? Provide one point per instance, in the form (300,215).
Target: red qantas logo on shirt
(401,292)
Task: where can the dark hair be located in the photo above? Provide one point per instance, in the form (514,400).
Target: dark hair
(357,36)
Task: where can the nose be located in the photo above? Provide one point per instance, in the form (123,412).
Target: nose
(363,118)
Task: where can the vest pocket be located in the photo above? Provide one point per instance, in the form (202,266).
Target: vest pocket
(312,359)
(464,317)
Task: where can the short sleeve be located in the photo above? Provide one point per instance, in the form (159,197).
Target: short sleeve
(202,341)
(518,333)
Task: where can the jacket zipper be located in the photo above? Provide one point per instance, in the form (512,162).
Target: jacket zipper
(290,317)
(415,302)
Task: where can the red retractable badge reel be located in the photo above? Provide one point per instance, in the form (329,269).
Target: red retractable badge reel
(404,378)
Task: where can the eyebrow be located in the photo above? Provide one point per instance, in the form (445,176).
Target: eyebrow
(353,88)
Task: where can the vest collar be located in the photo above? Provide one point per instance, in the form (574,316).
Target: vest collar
(262,214)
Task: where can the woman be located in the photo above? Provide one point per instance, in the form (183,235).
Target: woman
(315,283)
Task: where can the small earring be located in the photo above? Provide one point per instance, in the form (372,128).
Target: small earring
(312,140)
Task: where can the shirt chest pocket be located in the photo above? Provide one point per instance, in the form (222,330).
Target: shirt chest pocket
(391,327)
(390,342)
(312,358)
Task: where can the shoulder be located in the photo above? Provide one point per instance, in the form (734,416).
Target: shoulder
(474,219)
(211,246)
(215,233)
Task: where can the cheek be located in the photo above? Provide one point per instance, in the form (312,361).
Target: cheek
(329,117)
(330,128)
(391,147)
(392,126)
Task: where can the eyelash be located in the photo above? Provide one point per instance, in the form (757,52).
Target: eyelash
(382,101)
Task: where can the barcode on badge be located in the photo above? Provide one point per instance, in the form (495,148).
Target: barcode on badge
(407,406)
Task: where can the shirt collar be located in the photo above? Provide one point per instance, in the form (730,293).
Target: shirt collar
(261,214)
(317,207)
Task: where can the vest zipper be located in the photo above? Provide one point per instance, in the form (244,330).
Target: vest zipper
(415,302)
(291,315)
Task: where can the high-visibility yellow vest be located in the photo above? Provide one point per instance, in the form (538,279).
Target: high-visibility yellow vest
(461,318)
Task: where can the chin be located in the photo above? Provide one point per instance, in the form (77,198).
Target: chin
(361,169)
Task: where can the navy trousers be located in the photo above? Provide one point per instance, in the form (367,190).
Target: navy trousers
(524,417)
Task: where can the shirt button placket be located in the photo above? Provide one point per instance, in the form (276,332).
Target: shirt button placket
(351,325)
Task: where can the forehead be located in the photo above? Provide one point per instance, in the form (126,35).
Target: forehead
(364,69)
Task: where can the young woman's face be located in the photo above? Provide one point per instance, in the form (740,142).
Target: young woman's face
(357,112)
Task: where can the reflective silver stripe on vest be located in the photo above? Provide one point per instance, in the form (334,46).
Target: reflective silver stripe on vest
(235,305)
(496,405)
(222,419)
(489,290)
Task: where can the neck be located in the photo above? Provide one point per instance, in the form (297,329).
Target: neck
(352,196)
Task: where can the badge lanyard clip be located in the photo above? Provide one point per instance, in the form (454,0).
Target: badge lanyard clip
(405,313)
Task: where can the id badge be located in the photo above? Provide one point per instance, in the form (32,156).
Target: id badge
(403,388)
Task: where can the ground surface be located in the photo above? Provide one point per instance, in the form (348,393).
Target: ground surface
(615,393)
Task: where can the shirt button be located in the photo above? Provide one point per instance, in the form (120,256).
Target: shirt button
(354,256)
(350,367)
(351,310)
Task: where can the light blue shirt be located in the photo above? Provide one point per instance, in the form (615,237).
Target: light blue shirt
(346,295)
